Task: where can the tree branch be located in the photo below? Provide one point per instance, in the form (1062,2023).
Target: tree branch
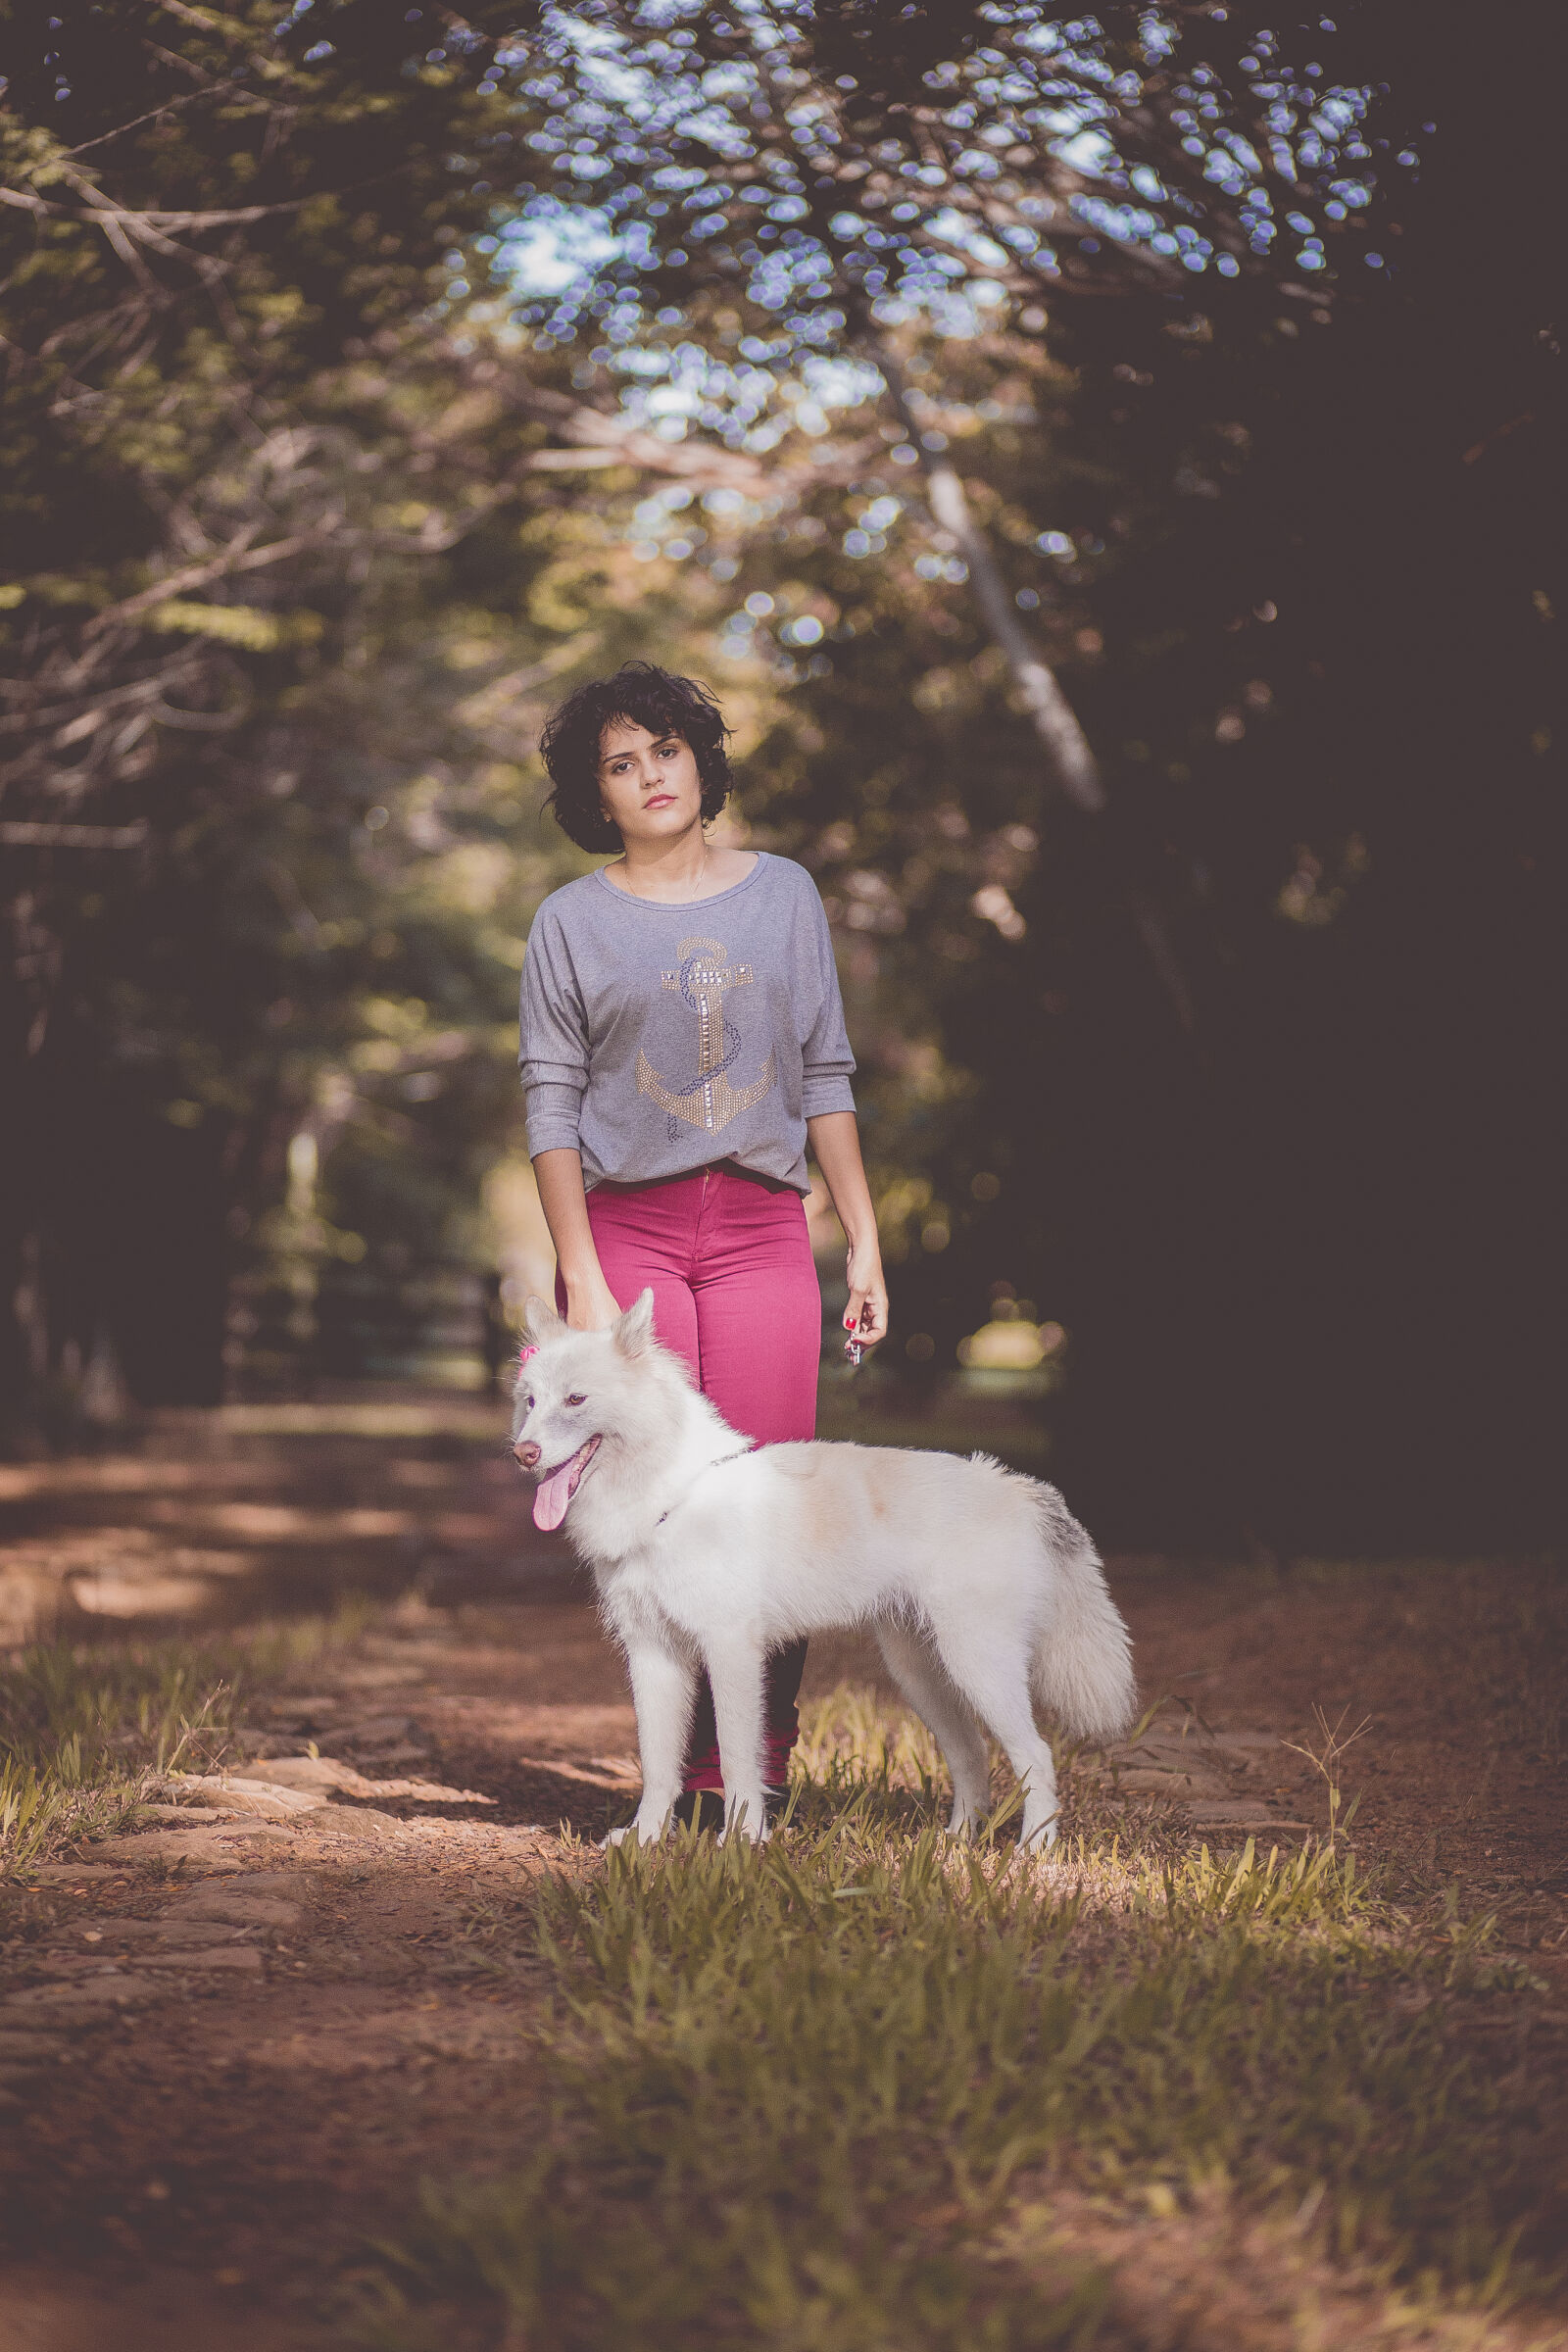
(1069,760)
(23,835)
(239,557)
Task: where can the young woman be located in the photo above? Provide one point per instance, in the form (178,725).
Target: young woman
(683,1044)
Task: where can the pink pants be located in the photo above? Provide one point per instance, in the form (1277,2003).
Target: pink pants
(735,1292)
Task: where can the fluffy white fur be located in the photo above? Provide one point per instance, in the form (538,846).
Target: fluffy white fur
(979,1585)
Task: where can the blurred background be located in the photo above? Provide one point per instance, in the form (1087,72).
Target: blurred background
(1104,464)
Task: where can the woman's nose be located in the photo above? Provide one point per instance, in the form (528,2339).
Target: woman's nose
(527,1453)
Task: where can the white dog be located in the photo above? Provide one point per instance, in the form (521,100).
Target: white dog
(978,1584)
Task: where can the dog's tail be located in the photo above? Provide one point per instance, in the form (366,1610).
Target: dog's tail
(1082,1667)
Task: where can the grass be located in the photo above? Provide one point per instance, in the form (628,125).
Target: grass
(803,2099)
(85,1728)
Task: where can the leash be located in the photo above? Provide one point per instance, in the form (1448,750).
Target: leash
(737,1455)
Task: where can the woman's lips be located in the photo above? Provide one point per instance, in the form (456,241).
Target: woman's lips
(660,800)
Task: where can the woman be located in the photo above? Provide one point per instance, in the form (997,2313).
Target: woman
(683,1044)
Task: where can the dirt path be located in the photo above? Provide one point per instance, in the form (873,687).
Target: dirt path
(229,2049)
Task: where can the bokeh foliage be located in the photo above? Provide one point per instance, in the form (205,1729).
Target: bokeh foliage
(312,502)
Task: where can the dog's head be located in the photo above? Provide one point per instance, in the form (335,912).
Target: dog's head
(575,1389)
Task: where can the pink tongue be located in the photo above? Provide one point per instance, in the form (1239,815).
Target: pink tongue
(553,1494)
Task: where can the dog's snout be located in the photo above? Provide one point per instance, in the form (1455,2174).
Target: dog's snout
(527,1453)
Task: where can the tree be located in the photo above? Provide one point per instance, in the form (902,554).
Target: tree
(213,249)
(1260,700)
(1128,1062)
(838,173)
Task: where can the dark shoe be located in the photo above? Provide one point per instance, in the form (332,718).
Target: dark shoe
(700,1809)
(705,1808)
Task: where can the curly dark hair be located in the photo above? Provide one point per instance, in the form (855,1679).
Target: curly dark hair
(648,697)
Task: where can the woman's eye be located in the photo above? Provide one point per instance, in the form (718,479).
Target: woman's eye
(576,1399)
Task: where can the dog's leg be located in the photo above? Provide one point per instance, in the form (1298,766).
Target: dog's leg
(664,1690)
(990,1664)
(917,1671)
(735,1669)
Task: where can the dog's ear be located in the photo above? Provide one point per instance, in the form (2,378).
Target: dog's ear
(634,1333)
(541,1322)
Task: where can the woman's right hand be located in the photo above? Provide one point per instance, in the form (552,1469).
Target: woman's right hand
(591,1305)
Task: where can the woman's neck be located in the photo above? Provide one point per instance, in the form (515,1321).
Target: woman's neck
(678,870)
(666,869)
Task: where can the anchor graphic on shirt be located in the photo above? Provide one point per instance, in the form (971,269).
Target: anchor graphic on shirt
(707,1098)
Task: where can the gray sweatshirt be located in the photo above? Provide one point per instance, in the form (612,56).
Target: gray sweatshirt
(657,1037)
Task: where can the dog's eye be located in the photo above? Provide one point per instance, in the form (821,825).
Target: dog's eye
(528,1404)
(576,1399)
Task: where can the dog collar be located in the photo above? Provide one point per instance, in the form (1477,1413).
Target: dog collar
(707,1466)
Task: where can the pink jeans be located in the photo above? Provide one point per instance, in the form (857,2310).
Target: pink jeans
(735,1292)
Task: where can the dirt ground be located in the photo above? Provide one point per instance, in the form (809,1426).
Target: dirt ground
(229,2050)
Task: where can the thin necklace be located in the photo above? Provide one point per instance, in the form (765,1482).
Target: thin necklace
(625,864)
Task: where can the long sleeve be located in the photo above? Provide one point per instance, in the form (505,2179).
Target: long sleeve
(554,1051)
(661,1037)
(827,1061)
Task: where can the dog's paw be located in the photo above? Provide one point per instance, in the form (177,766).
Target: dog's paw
(638,1832)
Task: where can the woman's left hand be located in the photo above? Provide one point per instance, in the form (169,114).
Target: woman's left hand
(865,1318)
(835,1139)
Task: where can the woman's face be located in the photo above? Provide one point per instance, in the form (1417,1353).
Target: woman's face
(648,784)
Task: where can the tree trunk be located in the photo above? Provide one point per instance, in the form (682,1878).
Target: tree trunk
(1070,764)
(1069,761)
